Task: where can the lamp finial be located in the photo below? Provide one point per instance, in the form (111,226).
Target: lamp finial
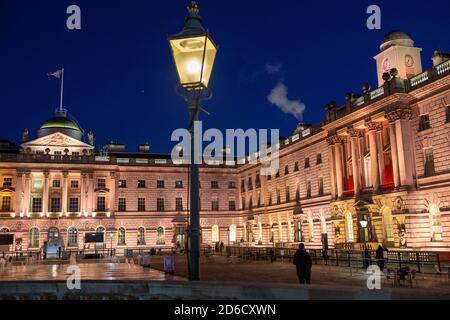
(193,8)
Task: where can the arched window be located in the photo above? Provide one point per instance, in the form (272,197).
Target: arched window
(435,223)
(232,234)
(100,229)
(160,238)
(121,236)
(388,225)
(349,227)
(72,237)
(215,233)
(311,229)
(141,236)
(34,238)
(4,230)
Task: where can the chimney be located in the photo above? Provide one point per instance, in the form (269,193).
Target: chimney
(144,148)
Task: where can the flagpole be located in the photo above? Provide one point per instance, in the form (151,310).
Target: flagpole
(62,91)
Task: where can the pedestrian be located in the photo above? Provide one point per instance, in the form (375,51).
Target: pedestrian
(380,257)
(303,264)
(272,255)
(366,257)
(385,254)
(221,246)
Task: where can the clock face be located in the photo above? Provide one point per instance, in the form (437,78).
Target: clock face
(409,60)
(386,64)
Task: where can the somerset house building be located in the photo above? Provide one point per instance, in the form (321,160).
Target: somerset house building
(376,170)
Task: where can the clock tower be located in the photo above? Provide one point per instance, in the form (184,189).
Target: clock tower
(398,51)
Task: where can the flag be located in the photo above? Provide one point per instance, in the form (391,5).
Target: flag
(56,74)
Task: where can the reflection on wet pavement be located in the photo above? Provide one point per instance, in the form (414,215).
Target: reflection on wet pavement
(88,271)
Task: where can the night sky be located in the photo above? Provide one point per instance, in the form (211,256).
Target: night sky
(120,79)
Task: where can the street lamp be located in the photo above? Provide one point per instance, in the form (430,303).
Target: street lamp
(111,239)
(363,223)
(194,54)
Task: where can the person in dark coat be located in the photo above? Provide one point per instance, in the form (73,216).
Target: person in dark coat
(303,263)
(380,257)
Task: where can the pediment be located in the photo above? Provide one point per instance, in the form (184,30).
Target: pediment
(56,139)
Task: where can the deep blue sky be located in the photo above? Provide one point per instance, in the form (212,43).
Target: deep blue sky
(120,78)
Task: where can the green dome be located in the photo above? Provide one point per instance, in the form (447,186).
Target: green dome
(60,122)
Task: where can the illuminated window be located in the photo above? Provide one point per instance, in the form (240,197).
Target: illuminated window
(160,237)
(141,236)
(34,238)
(215,233)
(388,225)
(349,227)
(122,184)
(232,233)
(37,184)
(72,236)
(121,233)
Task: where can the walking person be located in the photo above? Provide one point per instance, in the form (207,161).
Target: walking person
(379,255)
(303,263)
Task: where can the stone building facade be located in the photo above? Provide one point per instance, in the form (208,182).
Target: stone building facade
(376,170)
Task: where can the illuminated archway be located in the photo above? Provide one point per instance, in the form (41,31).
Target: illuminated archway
(232,235)
(215,233)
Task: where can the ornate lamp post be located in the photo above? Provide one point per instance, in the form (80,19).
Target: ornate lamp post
(194,54)
(363,223)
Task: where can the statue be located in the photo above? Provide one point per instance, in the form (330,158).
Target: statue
(90,137)
(25,135)
(402,235)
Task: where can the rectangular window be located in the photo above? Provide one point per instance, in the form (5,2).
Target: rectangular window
(73,205)
(56,184)
(215,205)
(141,204)
(179,204)
(75,155)
(296,166)
(36,205)
(74,184)
(288,195)
(122,204)
(101,183)
(242,186)
(243,204)
(286,170)
(321,187)
(306,162)
(277,175)
(160,204)
(424,122)
(101,204)
(141,183)
(160,184)
(319,158)
(308,189)
(231,184)
(429,163)
(258,181)
(214,184)
(250,183)
(57,155)
(7,182)
(231,205)
(55,204)
(6,204)
(278,197)
(179,184)
(122,184)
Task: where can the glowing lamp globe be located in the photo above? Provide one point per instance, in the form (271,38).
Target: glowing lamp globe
(193,52)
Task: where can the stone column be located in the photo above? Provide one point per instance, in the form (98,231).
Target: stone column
(374,172)
(64,192)
(404,146)
(45,192)
(394,153)
(91,197)
(27,191)
(380,152)
(339,169)
(83,193)
(355,161)
(332,169)
(361,151)
(18,194)
(112,193)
